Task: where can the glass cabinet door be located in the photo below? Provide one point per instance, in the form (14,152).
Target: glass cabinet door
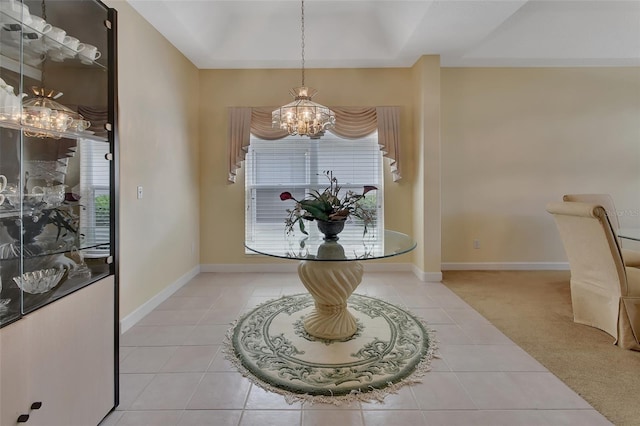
(56,145)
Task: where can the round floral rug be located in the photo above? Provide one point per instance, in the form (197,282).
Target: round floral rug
(270,346)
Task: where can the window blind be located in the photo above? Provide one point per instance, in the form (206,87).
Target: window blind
(297,165)
(94,192)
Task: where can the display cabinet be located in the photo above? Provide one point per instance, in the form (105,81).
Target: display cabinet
(58,162)
(56,151)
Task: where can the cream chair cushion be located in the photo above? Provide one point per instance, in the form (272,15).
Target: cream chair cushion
(604,293)
(630,257)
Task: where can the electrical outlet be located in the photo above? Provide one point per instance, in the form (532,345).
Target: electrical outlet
(139,192)
(476,244)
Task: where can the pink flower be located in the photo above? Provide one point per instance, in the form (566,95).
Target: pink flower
(286,196)
(367,188)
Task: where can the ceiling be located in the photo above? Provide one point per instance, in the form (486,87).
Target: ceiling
(232,34)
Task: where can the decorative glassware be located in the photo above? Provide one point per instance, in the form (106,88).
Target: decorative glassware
(44,113)
(41,281)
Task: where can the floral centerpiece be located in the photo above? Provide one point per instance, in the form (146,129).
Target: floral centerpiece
(327,206)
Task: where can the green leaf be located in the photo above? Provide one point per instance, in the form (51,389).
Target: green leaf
(301,222)
(315,209)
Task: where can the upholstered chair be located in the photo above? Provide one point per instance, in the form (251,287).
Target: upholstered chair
(630,257)
(604,292)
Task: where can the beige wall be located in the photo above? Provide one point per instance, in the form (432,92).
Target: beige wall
(426,182)
(515,139)
(495,144)
(158,136)
(222,223)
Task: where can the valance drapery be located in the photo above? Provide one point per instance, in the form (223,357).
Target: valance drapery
(351,123)
(239,138)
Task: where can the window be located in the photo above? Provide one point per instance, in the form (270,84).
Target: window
(296,164)
(94,191)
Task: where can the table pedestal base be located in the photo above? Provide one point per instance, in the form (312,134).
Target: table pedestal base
(330,284)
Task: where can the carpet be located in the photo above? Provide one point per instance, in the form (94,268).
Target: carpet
(533,308)
(391,348)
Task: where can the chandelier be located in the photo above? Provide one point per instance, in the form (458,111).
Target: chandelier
(47,118)
(303,116)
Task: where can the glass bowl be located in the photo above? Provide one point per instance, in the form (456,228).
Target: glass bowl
(41,281)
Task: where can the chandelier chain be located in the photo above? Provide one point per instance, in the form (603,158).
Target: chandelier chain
(44,63)
(302,27)
(303,116)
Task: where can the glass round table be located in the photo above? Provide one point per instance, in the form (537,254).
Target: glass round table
(331,270)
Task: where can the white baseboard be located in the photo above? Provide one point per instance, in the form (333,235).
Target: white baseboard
(431,277)
(292,267)
(387,267)
(395,267)
(130,320)
(250,268)
(403,267)
(505,266)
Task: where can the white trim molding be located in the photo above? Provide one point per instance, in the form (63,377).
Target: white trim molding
(430,277)
(505,266)
(250,267)
(130,320)
(293,267)
(387,267)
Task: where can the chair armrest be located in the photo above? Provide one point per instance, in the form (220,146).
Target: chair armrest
(631,257)
(633,282)
(574,208)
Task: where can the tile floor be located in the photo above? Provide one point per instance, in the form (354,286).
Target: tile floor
(173,371)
